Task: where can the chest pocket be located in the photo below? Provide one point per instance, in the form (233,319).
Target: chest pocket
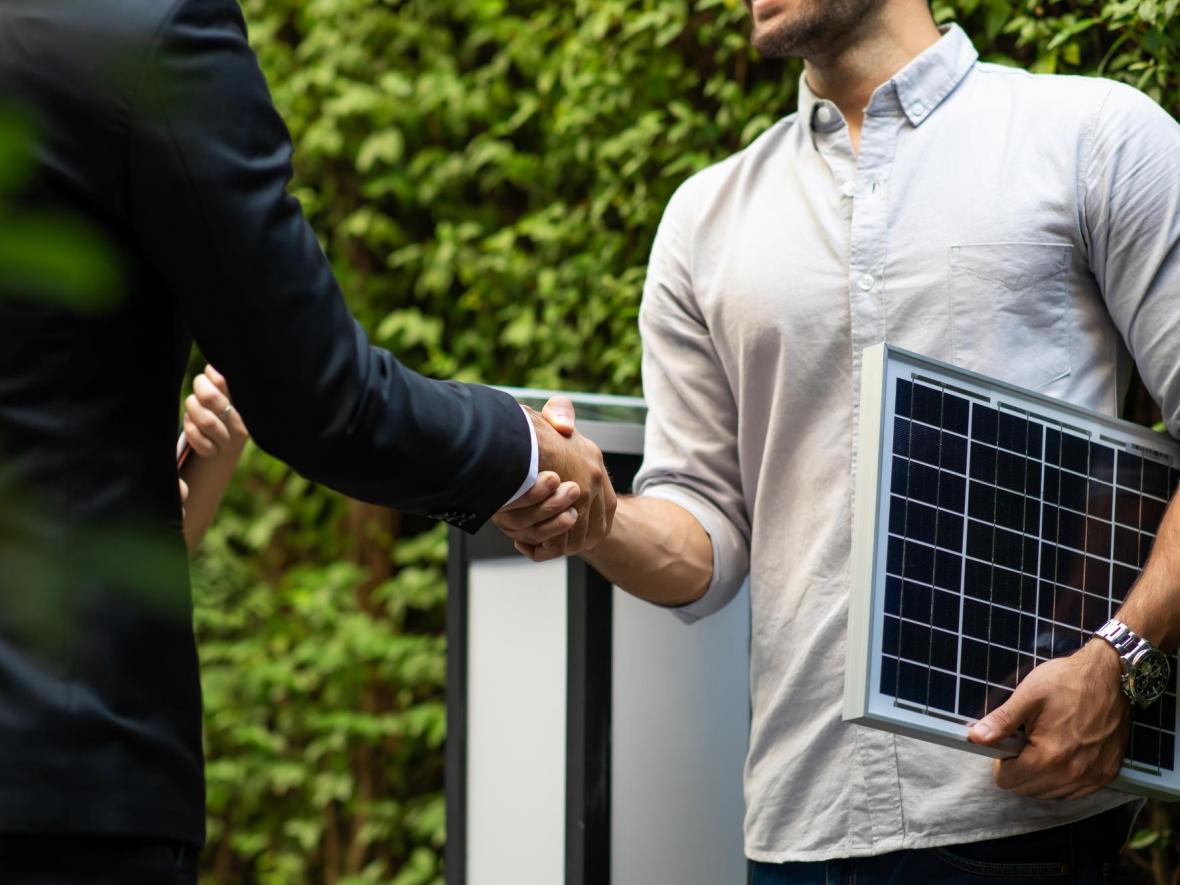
(1011,311)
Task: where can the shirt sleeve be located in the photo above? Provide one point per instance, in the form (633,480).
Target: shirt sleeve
(1131,203)
(691,445)
(534,462)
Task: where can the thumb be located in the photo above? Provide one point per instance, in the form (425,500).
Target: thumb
(559,412)
(1006,718)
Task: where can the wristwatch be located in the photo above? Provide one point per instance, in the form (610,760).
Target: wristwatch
(1146,671)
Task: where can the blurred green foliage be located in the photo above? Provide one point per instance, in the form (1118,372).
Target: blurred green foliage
(486,176)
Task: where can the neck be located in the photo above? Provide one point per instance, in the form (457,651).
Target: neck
(848,76)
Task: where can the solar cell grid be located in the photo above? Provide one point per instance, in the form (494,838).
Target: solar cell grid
(1011,538)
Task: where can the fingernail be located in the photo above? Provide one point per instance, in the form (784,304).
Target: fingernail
(571,494)
(982,731)
(573,512)
(552,483)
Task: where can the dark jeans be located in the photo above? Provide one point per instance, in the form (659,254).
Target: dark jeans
(1083,853)
(95,860)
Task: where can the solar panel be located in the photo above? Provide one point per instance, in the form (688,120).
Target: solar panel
(994,529)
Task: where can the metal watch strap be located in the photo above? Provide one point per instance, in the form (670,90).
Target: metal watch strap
(1125,641)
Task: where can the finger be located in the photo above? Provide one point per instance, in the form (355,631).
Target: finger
(183,491)
(575,540)
(1009,716)
(559,412)
(210,425)
(1030,774)
(515,521)
(218,380)
(536,554)
(542,489)
(551,529)
(200,443)
(211,398)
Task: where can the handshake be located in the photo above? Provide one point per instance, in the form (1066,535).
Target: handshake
(572,505)
(570,509)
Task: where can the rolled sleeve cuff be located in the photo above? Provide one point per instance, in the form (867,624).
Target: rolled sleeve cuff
(731,550)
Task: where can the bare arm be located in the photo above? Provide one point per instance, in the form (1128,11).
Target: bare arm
(218,436)
(656,550)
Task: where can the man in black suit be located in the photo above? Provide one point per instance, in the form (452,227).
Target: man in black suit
(157,129)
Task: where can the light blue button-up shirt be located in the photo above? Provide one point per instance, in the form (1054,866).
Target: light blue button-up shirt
(1026,227)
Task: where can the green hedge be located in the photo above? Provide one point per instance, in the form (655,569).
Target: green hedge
(486,176)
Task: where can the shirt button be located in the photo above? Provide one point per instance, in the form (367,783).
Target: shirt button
(917,109)
(849,188)
(866,282)
(824,114)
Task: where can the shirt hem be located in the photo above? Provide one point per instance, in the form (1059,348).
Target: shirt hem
(928,840)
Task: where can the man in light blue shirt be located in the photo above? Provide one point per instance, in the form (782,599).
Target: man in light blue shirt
(1026,227)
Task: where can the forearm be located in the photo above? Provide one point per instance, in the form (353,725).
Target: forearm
(656,551)
(1152,608)
(207,479)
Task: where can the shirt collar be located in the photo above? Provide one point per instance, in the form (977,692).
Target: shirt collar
(919,88)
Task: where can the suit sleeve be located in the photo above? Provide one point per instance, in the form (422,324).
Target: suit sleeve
(209,162)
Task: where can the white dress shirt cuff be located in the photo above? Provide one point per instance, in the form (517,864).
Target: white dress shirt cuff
(534,462)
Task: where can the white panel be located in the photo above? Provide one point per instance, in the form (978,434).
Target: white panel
(516,683)
(681,726)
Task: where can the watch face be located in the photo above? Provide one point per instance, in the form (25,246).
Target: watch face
(1149,677)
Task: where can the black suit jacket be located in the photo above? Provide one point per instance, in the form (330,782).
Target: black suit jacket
(155,127)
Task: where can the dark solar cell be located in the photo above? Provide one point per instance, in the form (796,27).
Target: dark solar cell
(946,610)
(900,477)
(1067,640)
(1020,435)
(1100,501)
(1151,513)
(915,601)
(1126,545)
(1097,537)
(976,619)
(918,563)
(1097,576)
(983,463)
(1075,453)
(1052,446)
(983,424)
(1155,479)
(922,482)
(972,698)
(1146,744)
(912,519)
(954,413)
(1126,507)
(1101,462)
(952,492)
(926,645)
(1145,543)
(1028,633)
(950,531)
(1129,470)
(1013,511)
(974,659)
(1005,626)
(902,398)
(927,405)
(1017,473)
(892,595)
(1095,611)
(1001,667)
(948,571)
(1123,579)
(889,636)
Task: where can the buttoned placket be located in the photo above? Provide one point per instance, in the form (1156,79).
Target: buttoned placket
(862,182)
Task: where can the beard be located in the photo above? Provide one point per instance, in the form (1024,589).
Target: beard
(815,28)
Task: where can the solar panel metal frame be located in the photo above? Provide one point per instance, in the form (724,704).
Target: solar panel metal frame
(864,703)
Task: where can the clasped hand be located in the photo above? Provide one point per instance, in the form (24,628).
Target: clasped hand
(1076,721)
(572,505)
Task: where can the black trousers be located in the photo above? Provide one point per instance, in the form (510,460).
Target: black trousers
(95,860)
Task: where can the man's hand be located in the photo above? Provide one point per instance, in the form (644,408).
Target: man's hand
(556,518)
(1077,721)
